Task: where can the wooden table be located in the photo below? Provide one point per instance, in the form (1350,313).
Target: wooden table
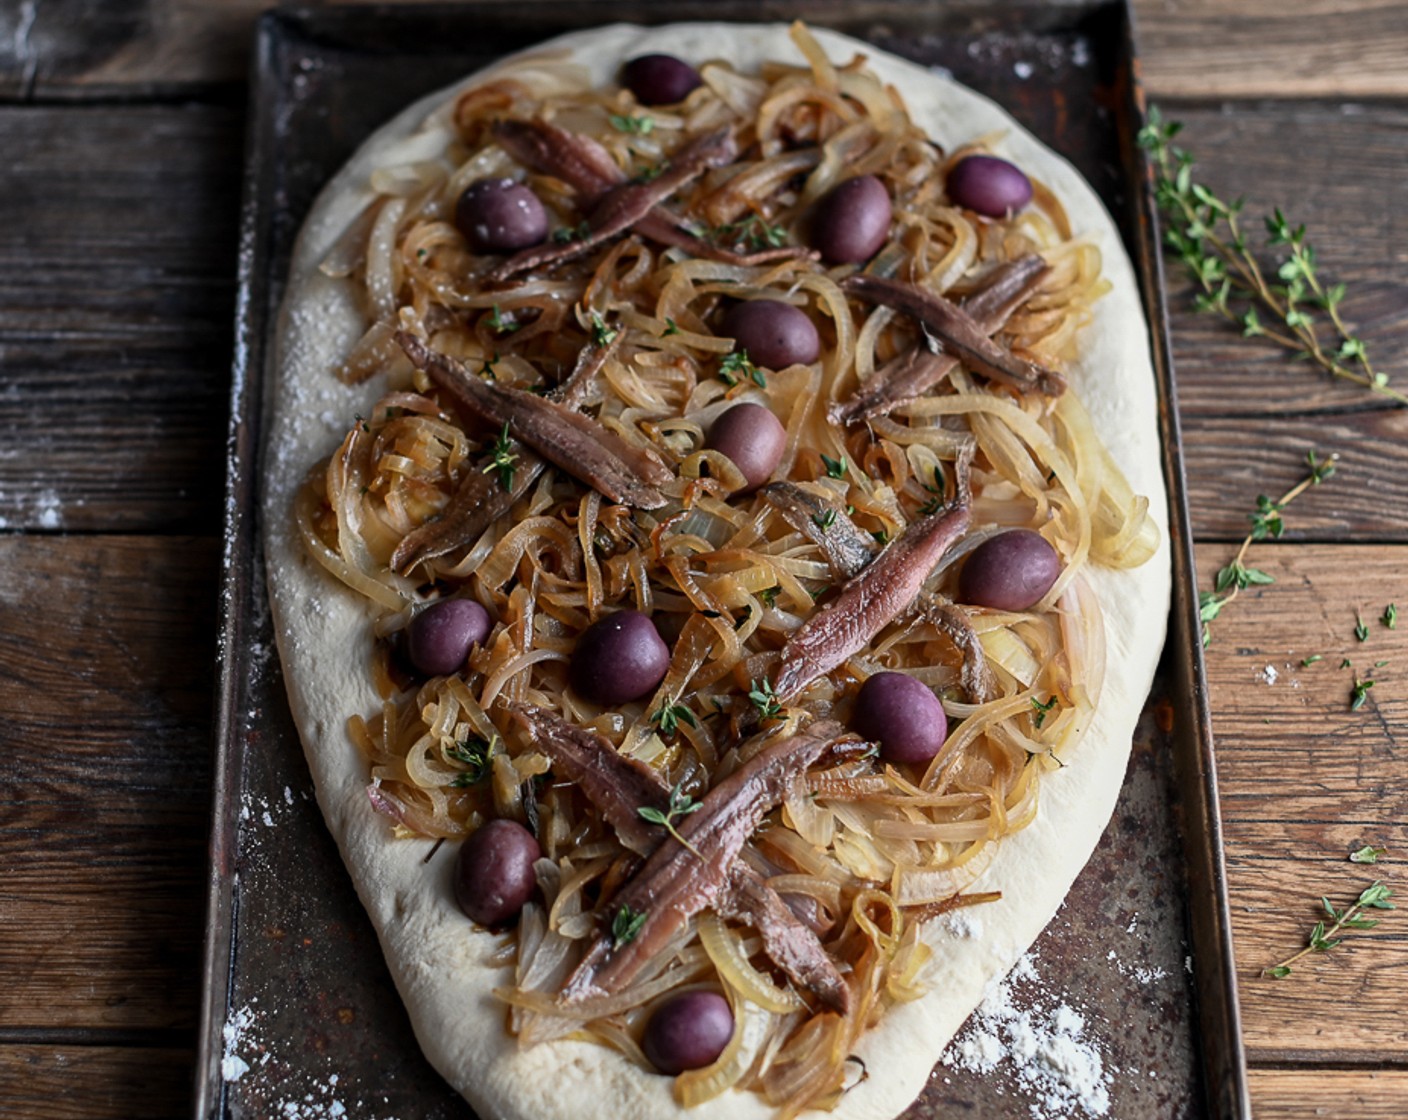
(121,128)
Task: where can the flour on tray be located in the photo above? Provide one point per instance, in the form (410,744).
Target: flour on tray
(1043,1046)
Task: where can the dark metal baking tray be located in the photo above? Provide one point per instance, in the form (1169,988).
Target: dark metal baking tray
(299,1008)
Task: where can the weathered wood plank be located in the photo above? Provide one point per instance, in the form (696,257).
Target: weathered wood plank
(1191,48)
(95,1082)
(117,270)
(1304,782)
(1295,1094)
(1339,170)
(106,654)
(1229,461)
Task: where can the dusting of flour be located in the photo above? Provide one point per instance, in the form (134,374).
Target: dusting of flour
(1043,1045)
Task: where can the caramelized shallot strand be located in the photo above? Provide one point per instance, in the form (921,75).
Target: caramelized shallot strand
(627,203)
(617,785)
(847,549)
(956,329)
(788,942)
(676,883)
(481,498)
(583,448)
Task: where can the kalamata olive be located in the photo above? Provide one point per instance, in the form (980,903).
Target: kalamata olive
(688,1031)
(494,872)
(989,185)
(753,438)
(440,637)
(500,216)
(775,334)
(619,658)
(903,715)
(1009,572)
(660,79)
(851,223)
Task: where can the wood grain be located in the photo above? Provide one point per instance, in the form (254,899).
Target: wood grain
(1296,1094)
(1192,48)
(106,658)
(95,1082)
(1304,782)
(1339,171)
(117,270)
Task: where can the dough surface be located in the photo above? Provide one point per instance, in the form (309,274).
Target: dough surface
(438,960)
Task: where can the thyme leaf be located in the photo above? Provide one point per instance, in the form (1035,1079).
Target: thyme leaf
(1040,710)
(626,926)
(503,459)
(835,468)
(764,698)
(1206,234)
(1266,522)
(636,126)
(669,717)
(1367,854)
(1390,617)
(1323,938)
(737,366)
(477,757)
(602,335)
(681,805)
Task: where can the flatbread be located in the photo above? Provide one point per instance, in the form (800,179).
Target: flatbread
(440,962)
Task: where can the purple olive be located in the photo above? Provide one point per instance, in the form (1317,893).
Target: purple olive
(660,79)
(753,438)
(988,185)
(619,658)
(500,216)
(851,223)
(494,872)
(440,637)
(688,1031)
(775,334)
(903,715)
(1009,572)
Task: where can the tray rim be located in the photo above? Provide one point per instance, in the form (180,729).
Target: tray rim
(1219,1044)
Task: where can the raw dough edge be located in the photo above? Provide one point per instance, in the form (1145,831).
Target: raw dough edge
(437,960)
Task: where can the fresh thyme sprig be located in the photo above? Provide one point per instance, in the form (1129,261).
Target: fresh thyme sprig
(737,366)
(477,756)
(752,231)
(764,699)
(1207,235)
(500,325)
(602,335)
(669,717)
(504,459)
(1040,711)
(626,926)
(1322,939)
(1266,522)
(681,805)
(638,126)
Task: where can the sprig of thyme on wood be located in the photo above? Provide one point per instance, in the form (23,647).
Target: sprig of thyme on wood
(1207,235)
(1323,938)
(1266,522)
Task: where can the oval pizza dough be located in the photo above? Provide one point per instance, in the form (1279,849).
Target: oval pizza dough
(438,959)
